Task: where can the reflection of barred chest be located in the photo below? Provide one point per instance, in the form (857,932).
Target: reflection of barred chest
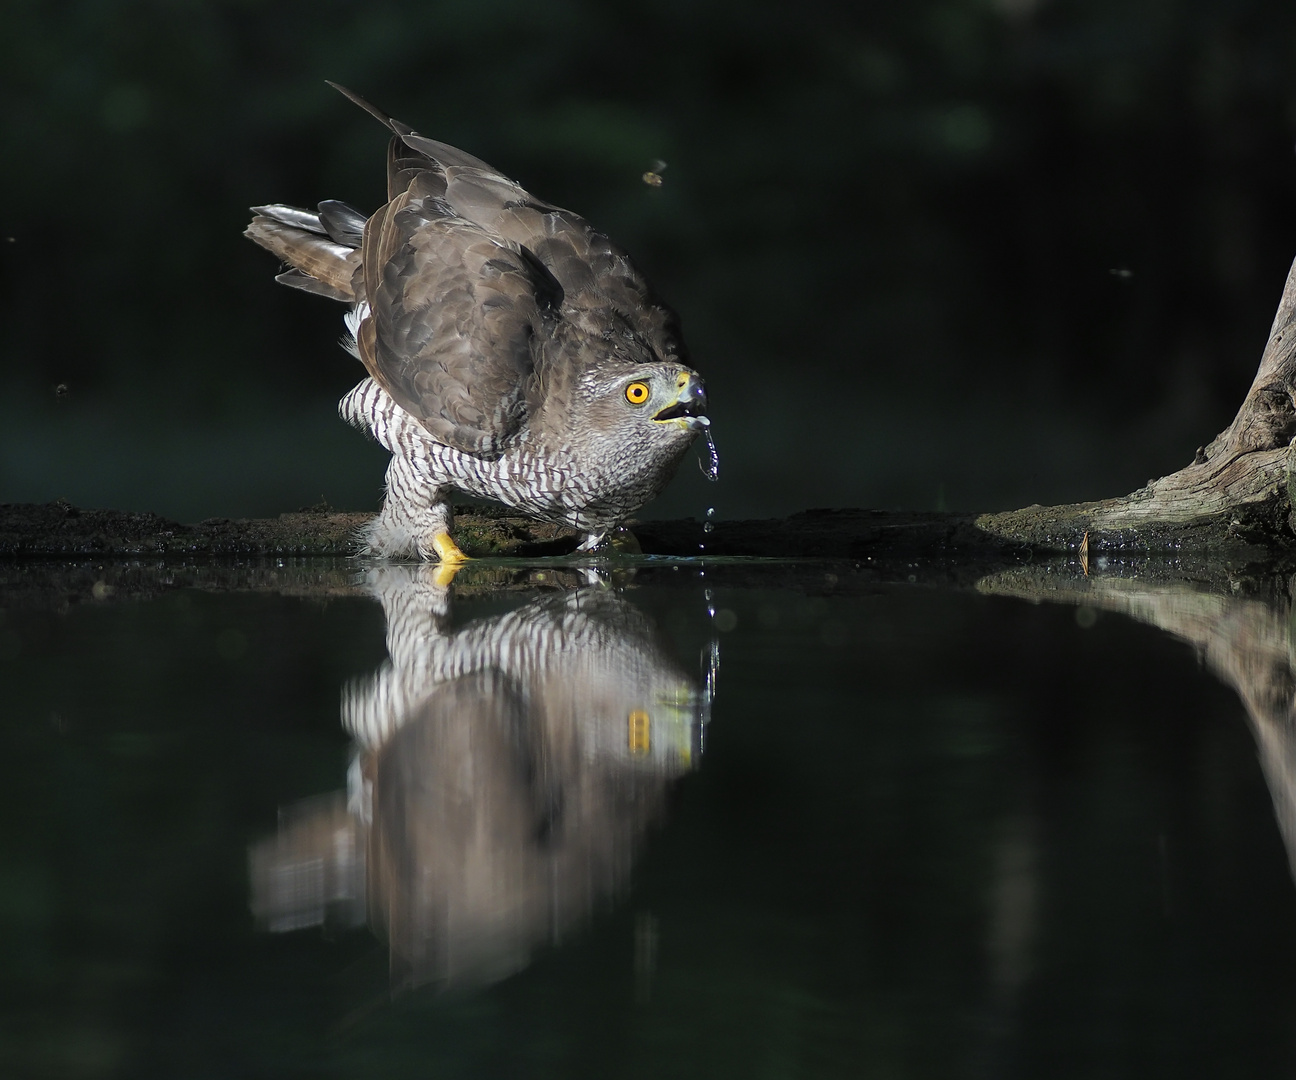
(582,665)
(524,645)
(545,482)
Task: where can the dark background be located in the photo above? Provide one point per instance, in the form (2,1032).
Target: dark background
(951,253)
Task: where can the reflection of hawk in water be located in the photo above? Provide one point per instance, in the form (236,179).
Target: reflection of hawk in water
(513,351)
(505,773)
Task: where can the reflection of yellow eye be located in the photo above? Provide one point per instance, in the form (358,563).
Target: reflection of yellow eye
(637,393)
(640,726)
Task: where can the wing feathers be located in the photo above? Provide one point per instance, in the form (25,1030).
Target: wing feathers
(453,314)
(343,223)
(469,281)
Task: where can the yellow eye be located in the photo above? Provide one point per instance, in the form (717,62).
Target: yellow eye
(637,393)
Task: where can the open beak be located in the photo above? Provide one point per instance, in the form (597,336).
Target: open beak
(690,402)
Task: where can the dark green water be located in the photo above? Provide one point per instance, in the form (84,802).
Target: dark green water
(924,832)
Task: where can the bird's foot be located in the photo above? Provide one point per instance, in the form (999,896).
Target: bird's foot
(447,550)
(452,558)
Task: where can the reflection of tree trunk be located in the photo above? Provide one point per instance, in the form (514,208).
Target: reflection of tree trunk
(1247,643)
(1237,485)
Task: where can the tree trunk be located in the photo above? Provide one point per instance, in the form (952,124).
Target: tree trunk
(1237,488)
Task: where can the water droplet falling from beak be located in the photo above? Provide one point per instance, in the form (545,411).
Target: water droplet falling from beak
(710,465)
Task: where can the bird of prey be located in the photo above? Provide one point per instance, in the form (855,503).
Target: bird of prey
(513,351)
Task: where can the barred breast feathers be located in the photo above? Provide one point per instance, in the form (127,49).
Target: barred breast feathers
(370,408)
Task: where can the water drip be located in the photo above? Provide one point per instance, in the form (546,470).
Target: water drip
(710,466)
(706,528)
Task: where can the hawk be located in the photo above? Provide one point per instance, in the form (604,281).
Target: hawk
(513,351)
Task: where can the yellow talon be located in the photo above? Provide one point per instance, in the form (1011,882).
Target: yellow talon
(447,550)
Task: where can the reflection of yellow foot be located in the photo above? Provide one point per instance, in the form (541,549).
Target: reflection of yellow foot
(444,573)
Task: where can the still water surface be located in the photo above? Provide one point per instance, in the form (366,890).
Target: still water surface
(351,821)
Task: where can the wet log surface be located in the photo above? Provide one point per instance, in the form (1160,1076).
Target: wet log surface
(56,554)
(59,529)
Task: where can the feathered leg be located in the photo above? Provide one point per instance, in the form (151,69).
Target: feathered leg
(416,517)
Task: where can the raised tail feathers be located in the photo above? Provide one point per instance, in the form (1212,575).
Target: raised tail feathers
(321,248)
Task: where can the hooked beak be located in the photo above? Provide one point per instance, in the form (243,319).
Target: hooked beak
(690,402)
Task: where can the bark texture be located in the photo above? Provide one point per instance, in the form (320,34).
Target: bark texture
(1239,487)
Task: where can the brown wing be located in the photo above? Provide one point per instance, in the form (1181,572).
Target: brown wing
(454,312)
(594,273)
